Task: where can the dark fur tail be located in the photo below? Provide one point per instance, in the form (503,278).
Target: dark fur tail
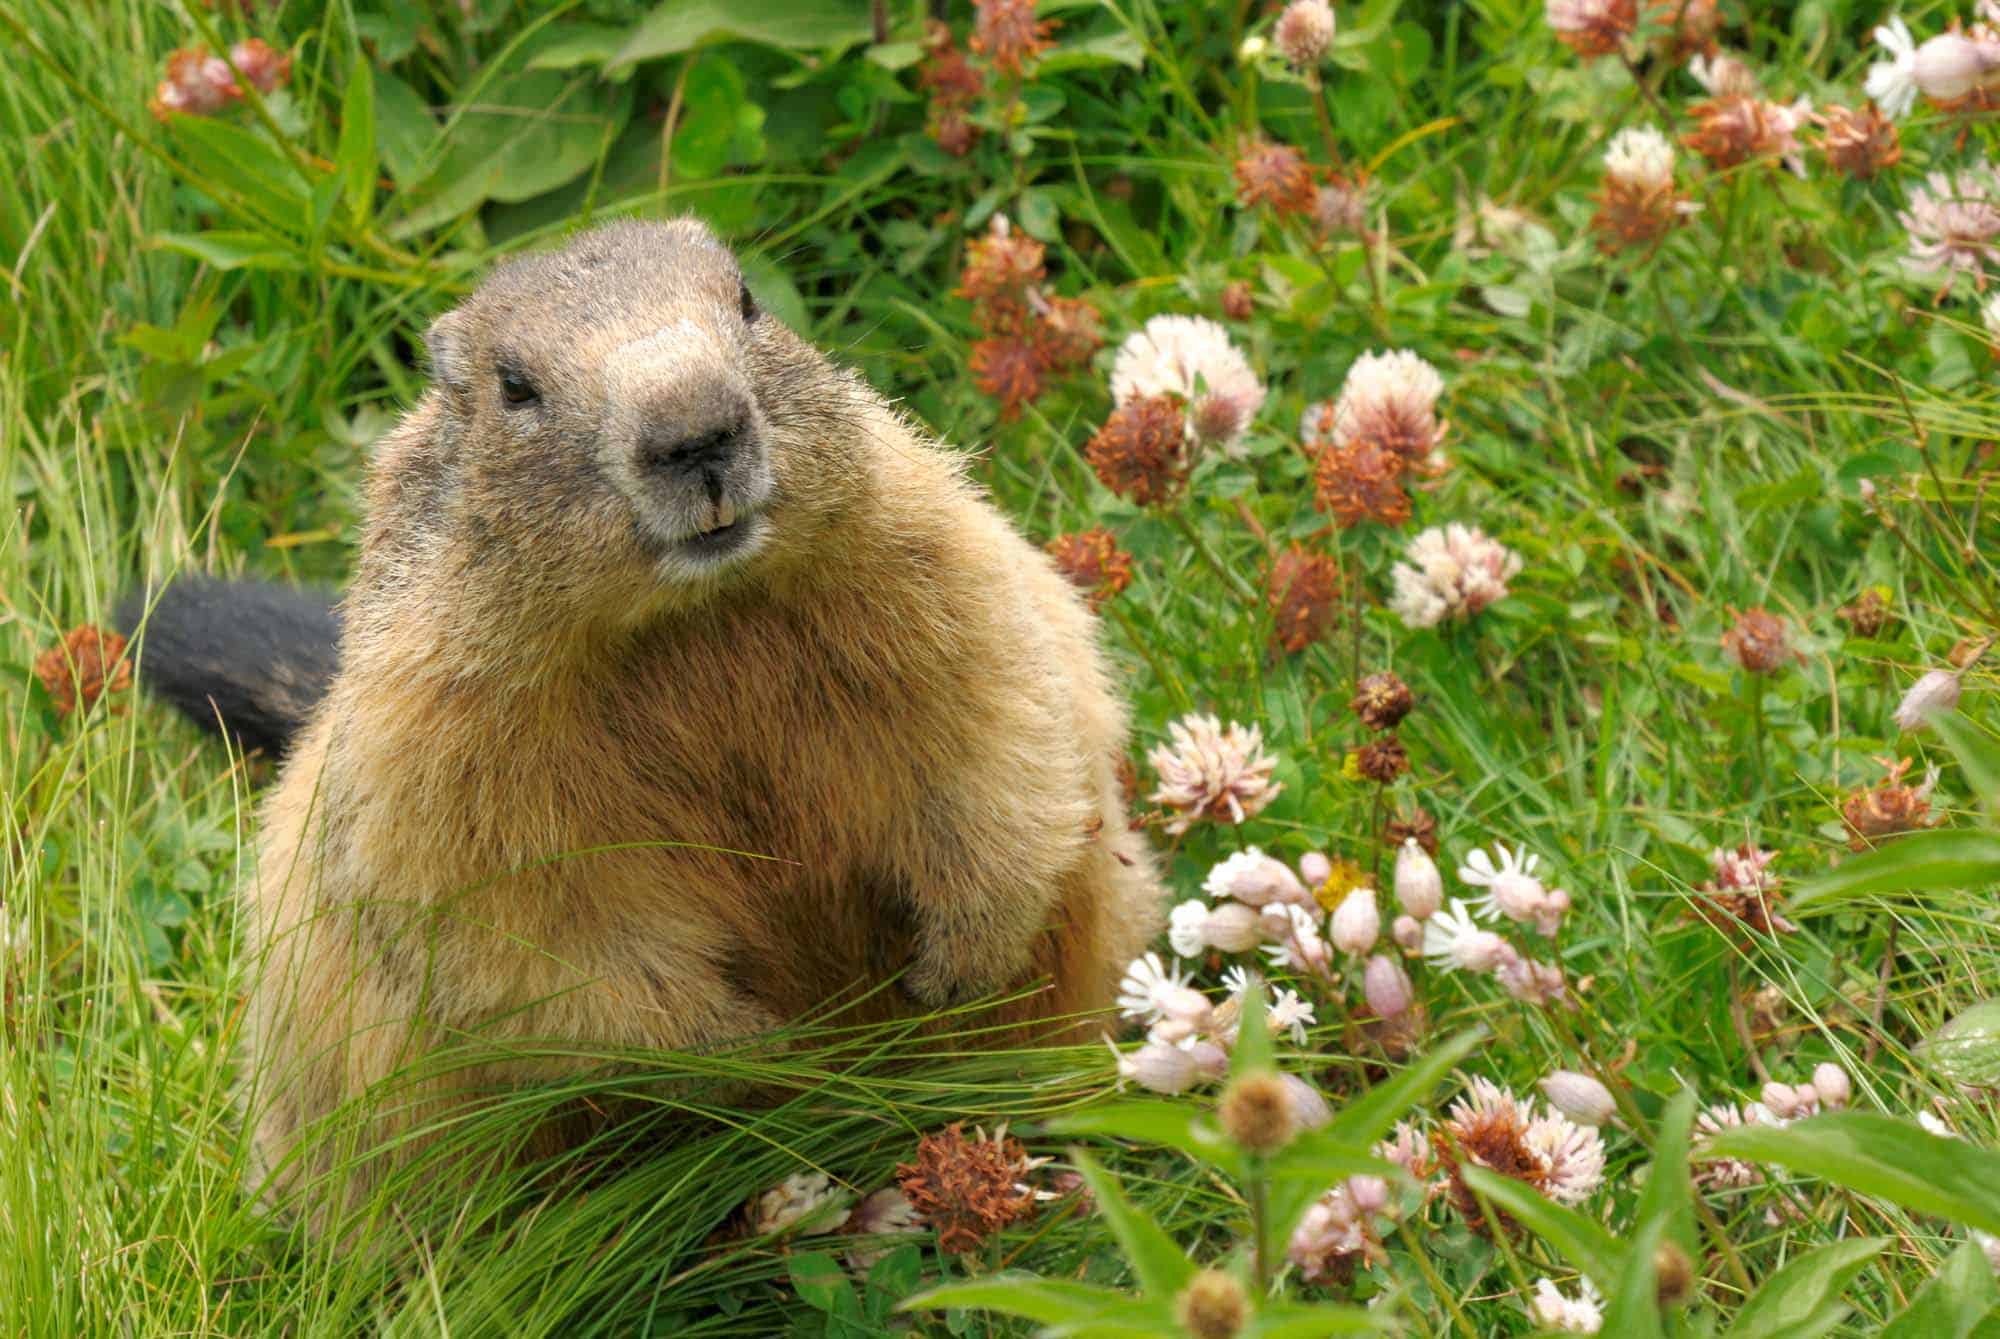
(250,657)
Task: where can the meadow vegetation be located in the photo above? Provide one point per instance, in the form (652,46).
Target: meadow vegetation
(1533,465)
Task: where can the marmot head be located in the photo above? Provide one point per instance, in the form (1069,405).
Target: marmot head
(617,430)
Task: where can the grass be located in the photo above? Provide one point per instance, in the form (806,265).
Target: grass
(1663,437)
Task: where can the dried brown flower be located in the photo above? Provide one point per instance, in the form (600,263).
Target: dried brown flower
(1862,143)
(1741,896)
(1592,28)
(1867,614)
(1237,303)
(968,1189)
(1269,173)
(262,64)
(1140,452)
(1737,128)
(1302,589)
(1491,1128)
(945,73)
(1362,481)
(88,663)
(1673,1274)
(1067,332)
(1382,760)
(197,84)
(1415,825)
(1001,267)
(1094,562)
(1007,369)
(1007,33)
(954,133)
(1691,26)
(1759,642)
(1631,214)
(1382,700)
(1256,1112)
(1890,809)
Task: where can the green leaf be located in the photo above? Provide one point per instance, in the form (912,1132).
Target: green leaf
(233,249)
(1050,1301)
(243,170)
(1803,1300)
(1115,48)
(405,130)
(355,158)
(576,44)
(1162,1266)
(1174,1124)
(1951,1305)
(1368,1117)
(1945,858)
(795,25)
(1254,1051)
(1669,1192)
(823,1285)
(1281,1321)
(1632,1303)
(1895,1160)
(1978,754)
(719,124)
(1967,1049)
(1581,1241)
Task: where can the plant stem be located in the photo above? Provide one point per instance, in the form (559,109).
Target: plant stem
(1237,585)
(1438,1290)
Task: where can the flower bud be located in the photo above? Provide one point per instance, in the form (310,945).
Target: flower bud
(1252,50)
(1947,67)
(1357,924)
(1231,927)
(1579,1097)
(1160,1067)
(1386,987)
(1309,1109)
(1933,695)
(1369,1193)
(1789,1103)
(1256,1112)
(1315,868)
(1408,932)
(1830,1082)
(1213,1305)
(1419,885)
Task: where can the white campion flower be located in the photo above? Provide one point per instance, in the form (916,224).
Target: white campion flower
(1723,75)
(1582,1314)
(1300,946)
(1453,941)
(1161,1066)
(1450,571)
(1830,1081)
(1192,358)
(1892,83)
(1255,879)
(1153,994)
(1194,927)
(1641,158)
(1952,65)
(1419,886)
(1207,771)
(1580,1097)
(1356,923)
(1291,1013)
(1386,987)
(1933,695)
(1512,890)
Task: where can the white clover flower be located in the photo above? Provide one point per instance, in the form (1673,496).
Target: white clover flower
(1304,32)
(1453,941)
(1641,158)
(1192,358)
(1207,771)
(1892,83)
(1390,400)
(808,1201)
(1450,572)
(1953,221)
(1728,1173)
(1724,75)
(1512,890)
(1582,1314)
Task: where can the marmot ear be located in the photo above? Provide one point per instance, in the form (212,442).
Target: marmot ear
(450,358)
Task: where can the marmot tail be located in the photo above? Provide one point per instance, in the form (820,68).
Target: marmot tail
(246,656)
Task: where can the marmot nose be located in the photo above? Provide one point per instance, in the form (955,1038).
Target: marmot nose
(674,449)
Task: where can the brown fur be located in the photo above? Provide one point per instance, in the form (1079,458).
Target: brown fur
(556,794)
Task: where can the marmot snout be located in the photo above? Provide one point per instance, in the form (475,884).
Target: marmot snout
(684,688)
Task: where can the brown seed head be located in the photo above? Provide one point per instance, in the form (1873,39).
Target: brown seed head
(1001,267)
(1593,28)
(1415,825)
(1067,332)
(1382,700)
(1739,127)
(1140,452)
(1759,642)
(945,73)
(1691,26)
(88,663)
(1256,1112)
(1007,369)
(1094,562)
(1860,144)
(1007,33)
(1213,1306)
(1632,214)
(967,1189)
(1237,303)
(1302,590)
(1382,760)
(1888,810)
(1867,614)
(1268,173)
(1362,481)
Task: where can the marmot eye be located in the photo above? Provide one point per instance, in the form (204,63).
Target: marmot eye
(516,389)
(749,303)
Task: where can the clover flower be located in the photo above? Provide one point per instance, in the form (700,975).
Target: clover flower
(1582,1314)
(1759,642)
(1592,28)
(1301,592)
(1738,129)
(808,1201)
(968,1189)
(1193,360)
(1361,481)
(1489,1127)
(1207,771)
(1390,399)
(85,665)
(1861,144)
(1953,221)
(1093,562)
(1889,809)
(1637,203)
(1008,34)
(1452,571)
(1141,451)
(1274,174)
(1713,1173)
(1304,32)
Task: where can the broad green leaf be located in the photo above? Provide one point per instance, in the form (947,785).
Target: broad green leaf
(1175,1124)
(1163,1268)
(575,44)
(1254,1050)
(1895,1160)
(1581,1241)
(1978,754)
(405,130)
(1119,48)
(1804,1299)
(797,25)
(1368,1117)
(1669,1193)
(1944,858)
(719,125)
(1967,1049)
(1632,1302)
(1050,1301)
(243,170)
(823,1285)
(356,155)
(233,249)
(1951,1305)
(1310,1322)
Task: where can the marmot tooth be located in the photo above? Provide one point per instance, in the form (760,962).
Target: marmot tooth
(725,513)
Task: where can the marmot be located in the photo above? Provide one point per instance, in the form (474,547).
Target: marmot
(682,687)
